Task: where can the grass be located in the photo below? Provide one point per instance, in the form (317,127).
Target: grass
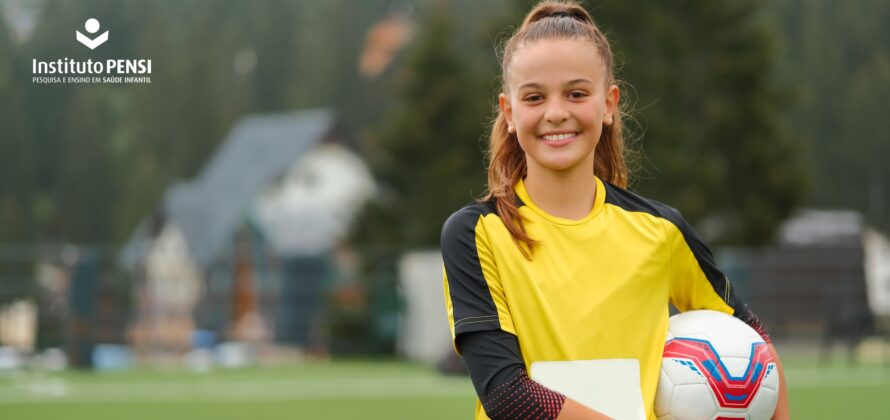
(341,390)
(838,391)
(355,390)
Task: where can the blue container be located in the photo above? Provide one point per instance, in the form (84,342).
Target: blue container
(112,357)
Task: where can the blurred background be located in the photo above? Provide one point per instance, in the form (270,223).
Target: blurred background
(255,231)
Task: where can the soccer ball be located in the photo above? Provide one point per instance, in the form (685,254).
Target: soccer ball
(715,367)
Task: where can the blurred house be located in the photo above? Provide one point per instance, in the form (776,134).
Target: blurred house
(243,250)
(828,275)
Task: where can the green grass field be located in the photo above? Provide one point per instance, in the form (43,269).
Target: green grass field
(354,390)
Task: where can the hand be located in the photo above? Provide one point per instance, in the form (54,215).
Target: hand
(573,410)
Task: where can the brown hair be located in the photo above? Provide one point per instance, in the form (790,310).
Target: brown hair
(547,20)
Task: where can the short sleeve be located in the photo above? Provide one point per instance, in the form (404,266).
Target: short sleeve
(696,283)
(474,296)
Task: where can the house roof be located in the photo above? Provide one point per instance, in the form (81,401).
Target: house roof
(208,209)
(822,227)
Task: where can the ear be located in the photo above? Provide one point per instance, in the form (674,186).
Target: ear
(507,110)
(612,96)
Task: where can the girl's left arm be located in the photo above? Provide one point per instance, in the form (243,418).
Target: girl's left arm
(782,411)
(697,283)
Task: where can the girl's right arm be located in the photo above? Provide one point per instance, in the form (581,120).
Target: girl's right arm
(482,327)
(498,373)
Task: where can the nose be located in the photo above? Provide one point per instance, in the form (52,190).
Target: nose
(556,112)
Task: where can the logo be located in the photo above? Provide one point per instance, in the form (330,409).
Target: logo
(92,26)
(731,391)
(135,70)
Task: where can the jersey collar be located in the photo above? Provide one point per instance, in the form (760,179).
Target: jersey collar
(599,202)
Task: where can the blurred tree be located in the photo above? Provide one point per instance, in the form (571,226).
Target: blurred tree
(101,156)
(715,136)
(16,149)
(427,152)
(837,54)
(79,168)
(867,132)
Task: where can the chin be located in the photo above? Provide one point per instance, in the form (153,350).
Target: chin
(559,164)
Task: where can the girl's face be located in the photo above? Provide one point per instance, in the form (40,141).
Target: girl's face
(557,102)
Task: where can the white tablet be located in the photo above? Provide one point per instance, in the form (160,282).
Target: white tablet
(610,386)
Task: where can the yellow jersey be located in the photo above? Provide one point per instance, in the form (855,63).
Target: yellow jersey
(596,288)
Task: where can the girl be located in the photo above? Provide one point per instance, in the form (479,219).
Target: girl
(559,262)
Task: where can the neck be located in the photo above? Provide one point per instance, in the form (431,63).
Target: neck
(569,194)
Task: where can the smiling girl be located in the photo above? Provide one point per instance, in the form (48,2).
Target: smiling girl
(559,262)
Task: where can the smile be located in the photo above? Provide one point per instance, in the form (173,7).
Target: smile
(559,139)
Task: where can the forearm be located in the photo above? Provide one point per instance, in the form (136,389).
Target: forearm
(494,361)
(782,411)
(496,368)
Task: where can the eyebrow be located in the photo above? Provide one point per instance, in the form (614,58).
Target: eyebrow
(540,86)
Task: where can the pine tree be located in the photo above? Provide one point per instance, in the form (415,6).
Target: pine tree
(427,154)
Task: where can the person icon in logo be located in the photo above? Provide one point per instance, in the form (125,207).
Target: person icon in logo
(92,26)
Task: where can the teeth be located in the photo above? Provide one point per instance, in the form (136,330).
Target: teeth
(558,137)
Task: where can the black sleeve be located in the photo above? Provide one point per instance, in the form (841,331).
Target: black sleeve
(498,373)
(717,280)
(751,319)
(471,277)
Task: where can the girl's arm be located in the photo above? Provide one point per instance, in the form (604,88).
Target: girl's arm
(573,410)
(782,412)
(495,364)
(697,283)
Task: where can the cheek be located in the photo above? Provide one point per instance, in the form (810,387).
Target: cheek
(526,141)
(524,119)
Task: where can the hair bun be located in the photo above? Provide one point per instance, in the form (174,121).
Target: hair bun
(558,9)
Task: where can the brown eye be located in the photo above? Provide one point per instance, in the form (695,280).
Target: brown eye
(533,98)
(577,94)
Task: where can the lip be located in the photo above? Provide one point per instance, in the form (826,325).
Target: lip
(559,143)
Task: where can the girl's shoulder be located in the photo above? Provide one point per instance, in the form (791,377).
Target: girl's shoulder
(631,201)
(462,223)
(471,212)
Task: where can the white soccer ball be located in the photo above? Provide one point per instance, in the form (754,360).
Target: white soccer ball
(715,367)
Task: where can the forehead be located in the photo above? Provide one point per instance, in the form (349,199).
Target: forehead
(555,61)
